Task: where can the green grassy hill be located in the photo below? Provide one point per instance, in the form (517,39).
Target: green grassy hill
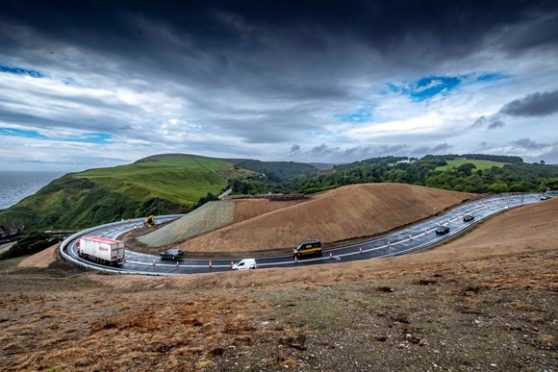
(479,164)
(155,185)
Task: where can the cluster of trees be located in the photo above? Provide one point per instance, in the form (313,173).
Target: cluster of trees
(514,176)
(31,243)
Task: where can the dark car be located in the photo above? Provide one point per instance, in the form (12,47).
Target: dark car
(442,230)
(468,218)
(172,254)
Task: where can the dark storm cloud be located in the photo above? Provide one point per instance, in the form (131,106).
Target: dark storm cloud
(254,72)
(536,104)
(214,41)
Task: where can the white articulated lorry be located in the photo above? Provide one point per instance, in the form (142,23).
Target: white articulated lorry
(104,250)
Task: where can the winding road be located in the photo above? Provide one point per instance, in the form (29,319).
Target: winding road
(405,240)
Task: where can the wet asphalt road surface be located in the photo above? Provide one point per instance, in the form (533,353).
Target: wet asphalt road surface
(405,240)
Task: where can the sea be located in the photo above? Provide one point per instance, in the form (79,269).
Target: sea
(16,185)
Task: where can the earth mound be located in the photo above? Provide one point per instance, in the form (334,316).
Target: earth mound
(345,213)
(209,217)
(41,259)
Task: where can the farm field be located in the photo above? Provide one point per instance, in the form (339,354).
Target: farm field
(480,164)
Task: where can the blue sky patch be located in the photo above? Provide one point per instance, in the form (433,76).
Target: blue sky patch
(357,116)
(21,71)
(89,137)
(492,76)
(93,137)
(26,133)
(427,87)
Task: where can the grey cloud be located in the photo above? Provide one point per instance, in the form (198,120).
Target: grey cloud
(295,148)
(81,124)
(528,144)
(424,150)
(339,155)
(491,122)
(551,157)
(480,122)
(323,149)
(536,104)
(496,124)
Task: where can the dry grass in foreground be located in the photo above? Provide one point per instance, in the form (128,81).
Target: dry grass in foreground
(487,301)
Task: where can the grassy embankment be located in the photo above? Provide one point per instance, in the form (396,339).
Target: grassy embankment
(158,184)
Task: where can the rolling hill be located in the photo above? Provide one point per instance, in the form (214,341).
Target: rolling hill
(159,184)
(154,185)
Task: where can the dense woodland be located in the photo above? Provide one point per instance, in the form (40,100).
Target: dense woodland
(512,176)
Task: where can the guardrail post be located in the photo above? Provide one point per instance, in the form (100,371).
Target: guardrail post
(177,264)
(330,255)
(232,263)
(210,264)
(296,258)
(360,250)
(154,263)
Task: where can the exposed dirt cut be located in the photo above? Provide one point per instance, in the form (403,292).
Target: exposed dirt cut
(345,213)
(41,259)
(249,208)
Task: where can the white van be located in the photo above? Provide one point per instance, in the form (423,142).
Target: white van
(245,264)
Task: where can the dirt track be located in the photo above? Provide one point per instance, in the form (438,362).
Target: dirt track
(346,213)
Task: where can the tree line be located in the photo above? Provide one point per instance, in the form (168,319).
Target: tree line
(513,176)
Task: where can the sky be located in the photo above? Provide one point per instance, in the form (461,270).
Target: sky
(88,84)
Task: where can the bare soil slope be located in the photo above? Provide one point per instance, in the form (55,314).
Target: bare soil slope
(41,259)
(245,209)
(341,214)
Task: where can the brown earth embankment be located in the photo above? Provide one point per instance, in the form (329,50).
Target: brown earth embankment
(349,212)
